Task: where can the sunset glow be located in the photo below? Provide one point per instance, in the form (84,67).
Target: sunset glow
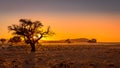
(67,19)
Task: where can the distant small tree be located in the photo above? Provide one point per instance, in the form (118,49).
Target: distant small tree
(32,32)
(11,41)
(2,40)
(92,41)
(16,39)
(68,40)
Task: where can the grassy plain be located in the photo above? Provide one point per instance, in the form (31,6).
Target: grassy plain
(84,55)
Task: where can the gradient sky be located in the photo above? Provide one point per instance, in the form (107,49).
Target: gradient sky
(98,19)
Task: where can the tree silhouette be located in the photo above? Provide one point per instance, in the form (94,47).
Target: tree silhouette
(68,40)
(2,40)
(92,41)
(11,40)
(15,39)
(32,32)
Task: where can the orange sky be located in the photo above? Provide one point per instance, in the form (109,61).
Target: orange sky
(102,27)
(98,19)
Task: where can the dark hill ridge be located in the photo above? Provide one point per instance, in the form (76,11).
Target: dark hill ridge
(65,41)
(79,40)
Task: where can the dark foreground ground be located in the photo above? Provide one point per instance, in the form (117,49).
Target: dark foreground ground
(61,56)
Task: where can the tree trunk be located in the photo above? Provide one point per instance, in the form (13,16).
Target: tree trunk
(33,47)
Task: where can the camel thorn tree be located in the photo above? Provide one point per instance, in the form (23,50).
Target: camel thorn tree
(30,31)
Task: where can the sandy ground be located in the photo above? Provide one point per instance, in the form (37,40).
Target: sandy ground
(61,56)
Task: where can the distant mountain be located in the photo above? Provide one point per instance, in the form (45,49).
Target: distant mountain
(68,40)
(79,40)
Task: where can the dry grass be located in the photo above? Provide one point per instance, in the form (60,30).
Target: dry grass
(61,56)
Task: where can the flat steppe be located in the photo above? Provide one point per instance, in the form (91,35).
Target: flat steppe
(61,56)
